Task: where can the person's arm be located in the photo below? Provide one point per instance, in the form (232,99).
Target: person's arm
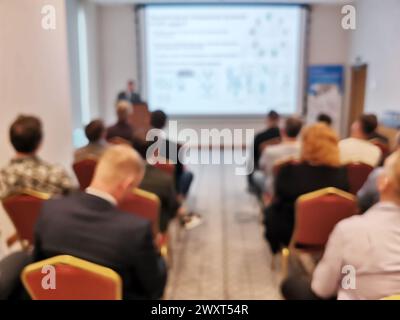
(149,268)
(368,195)
(328,273)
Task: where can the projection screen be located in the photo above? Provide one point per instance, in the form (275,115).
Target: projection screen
(222,59)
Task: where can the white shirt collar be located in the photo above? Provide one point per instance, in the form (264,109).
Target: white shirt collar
(101,194)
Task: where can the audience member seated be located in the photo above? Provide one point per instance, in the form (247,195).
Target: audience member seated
(26,170)
(162,184)
(89,226)
(271,133)
(130,94)
(289,148)
(95,133)
(374,127)
(183,178)
(367,244)
(122,129)
(324,118)
(368,195)
(357,148)
(319,168)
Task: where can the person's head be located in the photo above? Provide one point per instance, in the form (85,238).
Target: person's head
(292,127)
(273,119)
(95,131)
(320,146)
(389,179)
(124,109)
(118,171)
(131,86)
(364,126)
(324,118)
(26,134)
(158,119)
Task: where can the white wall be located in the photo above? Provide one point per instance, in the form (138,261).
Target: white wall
(34,78)
(328,41)
(376,41)
(117,49)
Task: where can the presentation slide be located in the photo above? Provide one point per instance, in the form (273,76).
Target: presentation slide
(223,59)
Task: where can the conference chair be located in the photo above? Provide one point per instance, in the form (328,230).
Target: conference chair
(166,166)
(84,171)
(384,147)
(317,213)
(357,173)
(147,205)
(69,278)
(144,204)
(23,210)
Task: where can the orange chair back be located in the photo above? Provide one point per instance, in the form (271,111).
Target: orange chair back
(357,174)
(144,204)
(84,171)
(318,212)
(70,278)
(23,210)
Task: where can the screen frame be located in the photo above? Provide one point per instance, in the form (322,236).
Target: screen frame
(304,49)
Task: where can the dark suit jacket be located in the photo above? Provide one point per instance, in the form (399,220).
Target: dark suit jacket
(162,184)
(93,229)
(293,181)
(269,134)
(134,98)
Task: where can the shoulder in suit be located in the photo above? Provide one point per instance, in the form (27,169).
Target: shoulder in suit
(93,229)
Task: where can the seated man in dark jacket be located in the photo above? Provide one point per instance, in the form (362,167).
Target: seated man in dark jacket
(89,226)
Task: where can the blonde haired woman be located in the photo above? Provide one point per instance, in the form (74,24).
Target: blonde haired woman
(319,168)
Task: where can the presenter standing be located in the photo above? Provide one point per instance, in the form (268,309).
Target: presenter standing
(130,94)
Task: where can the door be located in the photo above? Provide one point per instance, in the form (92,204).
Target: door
(357,93)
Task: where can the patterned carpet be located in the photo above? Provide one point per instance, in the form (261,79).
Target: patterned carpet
(226,257)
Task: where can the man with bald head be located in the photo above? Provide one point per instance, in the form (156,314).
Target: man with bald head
(90,226)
